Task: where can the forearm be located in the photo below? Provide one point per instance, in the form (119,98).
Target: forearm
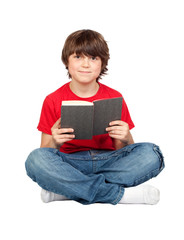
(48,142)
(118,144)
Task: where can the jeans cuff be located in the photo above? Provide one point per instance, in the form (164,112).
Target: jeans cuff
(120,195)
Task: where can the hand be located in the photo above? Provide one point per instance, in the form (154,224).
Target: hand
(61,135)
(120,130)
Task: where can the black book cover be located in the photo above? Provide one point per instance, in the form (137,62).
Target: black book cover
(106,111)
(88,119)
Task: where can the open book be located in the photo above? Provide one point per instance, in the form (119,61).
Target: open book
(90,118)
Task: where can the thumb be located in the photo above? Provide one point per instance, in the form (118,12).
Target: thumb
(57,124)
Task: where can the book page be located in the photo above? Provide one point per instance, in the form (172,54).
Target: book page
(76,103)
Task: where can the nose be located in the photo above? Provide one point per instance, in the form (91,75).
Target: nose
(85,62)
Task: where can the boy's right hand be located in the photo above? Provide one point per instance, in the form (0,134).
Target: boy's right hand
(59,135)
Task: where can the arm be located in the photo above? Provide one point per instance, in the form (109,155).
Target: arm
(119,144)
(120,133)
(58,138)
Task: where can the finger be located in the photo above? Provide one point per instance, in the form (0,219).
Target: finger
(65,130)
(117,122)
(65,136)
(120,133)
(62,131)
(116,136)
(114,128)
(63,140)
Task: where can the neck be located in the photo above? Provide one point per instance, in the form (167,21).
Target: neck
(84,90)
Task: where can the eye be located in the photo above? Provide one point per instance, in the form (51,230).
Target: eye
(77,56)
(93,58)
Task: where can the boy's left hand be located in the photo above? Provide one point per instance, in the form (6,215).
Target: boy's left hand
(119,130)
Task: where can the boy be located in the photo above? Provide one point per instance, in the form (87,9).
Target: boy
(106,168)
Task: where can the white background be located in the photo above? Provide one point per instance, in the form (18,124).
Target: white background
(146,41)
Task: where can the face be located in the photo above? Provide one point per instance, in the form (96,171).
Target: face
(84,69)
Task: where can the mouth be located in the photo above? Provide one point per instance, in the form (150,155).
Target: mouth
(84,72)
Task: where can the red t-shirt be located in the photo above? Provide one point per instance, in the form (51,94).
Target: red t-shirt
(51,112)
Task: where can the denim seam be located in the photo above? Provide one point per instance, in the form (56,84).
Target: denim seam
(94,165)
(79,159)
(152,173)
(120,194)
(159,154)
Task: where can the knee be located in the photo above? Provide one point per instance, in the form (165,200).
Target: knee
(32,157)
(153,155)
(39,159)
(33,161)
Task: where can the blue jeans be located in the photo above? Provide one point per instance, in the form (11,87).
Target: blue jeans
(94,176)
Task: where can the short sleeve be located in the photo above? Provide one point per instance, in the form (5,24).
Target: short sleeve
(48,116)
(126,115)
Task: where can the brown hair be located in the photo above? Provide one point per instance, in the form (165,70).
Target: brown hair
(88,43)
